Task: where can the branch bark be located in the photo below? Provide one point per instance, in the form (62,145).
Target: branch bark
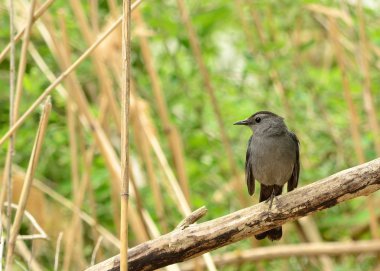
(181,245)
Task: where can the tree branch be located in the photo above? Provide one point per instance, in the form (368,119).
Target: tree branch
(180,245)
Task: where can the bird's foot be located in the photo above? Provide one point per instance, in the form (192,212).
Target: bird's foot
(270,201)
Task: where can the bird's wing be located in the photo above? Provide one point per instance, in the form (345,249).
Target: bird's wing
(248,170)
(293,181)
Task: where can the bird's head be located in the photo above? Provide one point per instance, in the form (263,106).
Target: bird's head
(264,122)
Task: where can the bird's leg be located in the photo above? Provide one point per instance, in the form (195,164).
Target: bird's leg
(270,199)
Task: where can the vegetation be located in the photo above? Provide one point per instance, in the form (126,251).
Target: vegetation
(314,62)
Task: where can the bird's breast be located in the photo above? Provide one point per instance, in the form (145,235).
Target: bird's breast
(273,159)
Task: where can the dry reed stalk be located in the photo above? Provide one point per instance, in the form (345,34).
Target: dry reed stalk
(73,146)
(70,113)
(358,231)
(74,231)
(59,79)
(173,136)
(353,115)
(331,12)
(196,50)
(124,147)
(102,74)
(145,154)
(172,184)
(23,59)
(28,182)
(96,249)
(90,192)
(46,70)
(143,147)
(296,41)
(293,250)
(333,131)
(365,69)
(278,86)
(113,8)
(7,178)
(239,4)
(134,171)
(25,253)
(313,235)
(79,196)
(94,15)
(92,210)
(57,251)
(21,32)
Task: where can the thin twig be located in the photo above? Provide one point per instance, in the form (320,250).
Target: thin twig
(28,181)
(9,158)
(96,249)
(23,60)
(192,218)
(41,233)
(57,251)
(125,104)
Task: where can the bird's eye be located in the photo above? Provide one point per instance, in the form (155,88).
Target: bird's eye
(258,119)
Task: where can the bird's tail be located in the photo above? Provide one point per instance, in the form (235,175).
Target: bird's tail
(265,193)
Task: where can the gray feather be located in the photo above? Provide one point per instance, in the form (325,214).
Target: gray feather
(250,178)
(293,181)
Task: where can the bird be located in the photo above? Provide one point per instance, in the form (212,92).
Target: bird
(272,158)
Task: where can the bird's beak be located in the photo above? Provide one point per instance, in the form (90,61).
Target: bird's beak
(242,122)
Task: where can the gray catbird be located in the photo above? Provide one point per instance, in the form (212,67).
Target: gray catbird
(272,159)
